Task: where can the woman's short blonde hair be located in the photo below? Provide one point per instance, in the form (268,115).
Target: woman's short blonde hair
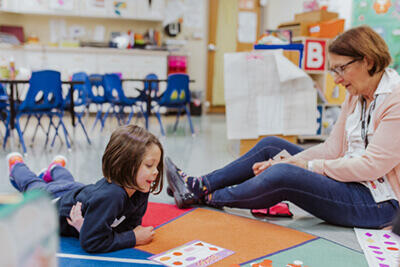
(124,154)
(362,42)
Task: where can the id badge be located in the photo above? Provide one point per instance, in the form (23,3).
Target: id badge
(379,189)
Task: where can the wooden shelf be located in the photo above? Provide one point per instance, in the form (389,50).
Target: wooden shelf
(17,7)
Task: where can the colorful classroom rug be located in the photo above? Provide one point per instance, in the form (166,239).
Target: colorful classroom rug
(255,243)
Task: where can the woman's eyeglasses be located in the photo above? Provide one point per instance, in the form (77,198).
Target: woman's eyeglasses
(340,70)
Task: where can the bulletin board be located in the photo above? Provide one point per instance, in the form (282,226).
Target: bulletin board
(384,17)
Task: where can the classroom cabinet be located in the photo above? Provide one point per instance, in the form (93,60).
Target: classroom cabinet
(115,63)
(148,64)
(130,63)
(69,63)
(33,60)
(134,66)
(16,54)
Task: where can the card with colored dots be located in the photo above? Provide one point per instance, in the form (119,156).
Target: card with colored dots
(195,253)
(381,247)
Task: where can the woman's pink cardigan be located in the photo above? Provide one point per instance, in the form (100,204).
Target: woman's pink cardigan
(383,152)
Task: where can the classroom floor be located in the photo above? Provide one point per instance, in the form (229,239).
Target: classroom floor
(208,150)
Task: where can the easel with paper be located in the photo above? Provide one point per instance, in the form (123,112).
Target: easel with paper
(266,94)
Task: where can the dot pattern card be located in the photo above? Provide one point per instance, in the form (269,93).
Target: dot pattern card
(194,253)
(381,247)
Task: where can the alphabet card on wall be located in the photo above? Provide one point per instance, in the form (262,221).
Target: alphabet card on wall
(381,247)
(195,253)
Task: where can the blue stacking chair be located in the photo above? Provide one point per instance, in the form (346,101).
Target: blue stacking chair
(152,87)
(4,113)
(112,83)
(80,99)
(148,88)
(44,97)
(176,96)
(3,97)
(97,83)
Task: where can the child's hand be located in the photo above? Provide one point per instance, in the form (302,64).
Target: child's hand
(144,235)
(76,216)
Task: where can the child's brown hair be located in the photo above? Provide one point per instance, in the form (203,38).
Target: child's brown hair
(124,155)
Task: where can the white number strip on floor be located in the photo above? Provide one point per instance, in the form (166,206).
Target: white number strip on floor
(97,258)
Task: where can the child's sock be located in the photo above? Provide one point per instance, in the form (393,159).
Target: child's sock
(58,160)
(195,184)
(12,159)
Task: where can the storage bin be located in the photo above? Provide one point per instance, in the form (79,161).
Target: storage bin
(177,64)
(327,29)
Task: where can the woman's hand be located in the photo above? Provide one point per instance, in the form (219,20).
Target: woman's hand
(143,235)
(76,216)
(259,167)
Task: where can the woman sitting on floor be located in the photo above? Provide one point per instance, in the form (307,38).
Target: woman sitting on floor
(352,179)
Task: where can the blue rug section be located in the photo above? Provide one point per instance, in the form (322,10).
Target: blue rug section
(70,245)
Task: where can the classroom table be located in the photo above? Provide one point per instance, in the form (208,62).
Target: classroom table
(13,97)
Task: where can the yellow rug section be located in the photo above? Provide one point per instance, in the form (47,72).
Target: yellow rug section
(249,238)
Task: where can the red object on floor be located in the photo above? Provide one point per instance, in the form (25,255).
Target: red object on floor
(279,210)
(159,213)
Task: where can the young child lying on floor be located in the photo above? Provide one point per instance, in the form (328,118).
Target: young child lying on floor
(113,207)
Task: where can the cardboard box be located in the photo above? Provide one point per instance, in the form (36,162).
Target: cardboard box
(298,28)
(315,16)
(327,29)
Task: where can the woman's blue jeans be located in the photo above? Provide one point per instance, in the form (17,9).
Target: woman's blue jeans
(346,204)
(63,181)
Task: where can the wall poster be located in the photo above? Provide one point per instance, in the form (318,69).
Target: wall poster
(384,17)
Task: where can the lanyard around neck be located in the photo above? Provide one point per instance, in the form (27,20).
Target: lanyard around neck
(365,123)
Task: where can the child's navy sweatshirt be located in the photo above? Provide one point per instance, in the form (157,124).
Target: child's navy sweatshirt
(109,216)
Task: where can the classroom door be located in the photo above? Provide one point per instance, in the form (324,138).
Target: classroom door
(223,38)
